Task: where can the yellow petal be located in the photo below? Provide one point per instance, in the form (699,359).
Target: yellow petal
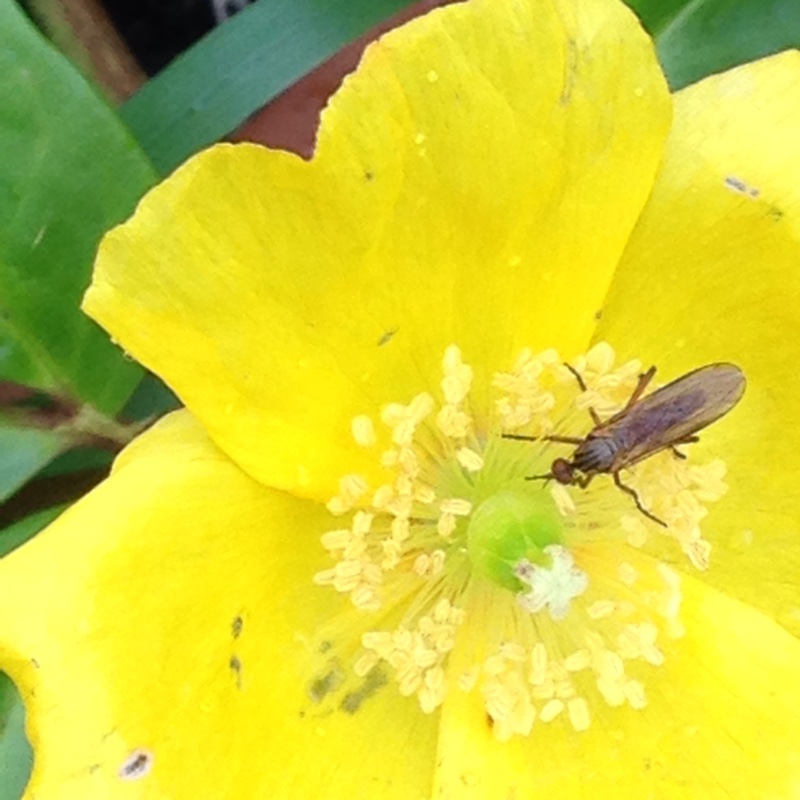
(475,183)
(722,721)
(711,274)
(160,630)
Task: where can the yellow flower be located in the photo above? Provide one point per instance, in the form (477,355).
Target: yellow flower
(329,577)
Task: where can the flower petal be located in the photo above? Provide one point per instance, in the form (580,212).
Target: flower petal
(475,182)
(159,633)
(722,721)
(711,274)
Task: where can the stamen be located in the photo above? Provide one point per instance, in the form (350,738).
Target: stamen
(363,431)
(548,590)
(527,403)
(351,489)
(469,459)
(456,506)
(457,377)
(608,388)
(578,711)
(417,654)
(627,573)
(446,525)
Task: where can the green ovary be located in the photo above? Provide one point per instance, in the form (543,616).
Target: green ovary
(506,528)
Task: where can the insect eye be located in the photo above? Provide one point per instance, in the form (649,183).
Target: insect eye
(562,470)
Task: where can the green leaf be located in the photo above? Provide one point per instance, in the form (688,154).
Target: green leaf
(16,534)
(69,171)
(701,37)
(79,459)
(23,453)
(16,756)
(239,67)
(152,399)
(655,14)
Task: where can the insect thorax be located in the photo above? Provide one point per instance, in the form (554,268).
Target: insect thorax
(596,454)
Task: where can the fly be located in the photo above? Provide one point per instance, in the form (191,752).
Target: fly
(669,416)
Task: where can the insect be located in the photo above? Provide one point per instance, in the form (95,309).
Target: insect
(667,417)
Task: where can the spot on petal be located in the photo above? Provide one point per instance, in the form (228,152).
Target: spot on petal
(138,764)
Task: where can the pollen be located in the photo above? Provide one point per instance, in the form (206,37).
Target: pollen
(467,568)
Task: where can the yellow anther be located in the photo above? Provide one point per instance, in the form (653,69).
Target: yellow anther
(494,665)
(469,459)
(362,522)
(578,661)
(551,710)
(627,574)
(578,712)
(424,494)
(389,459)
(408,461)
(401,529)
(438,558)
(612,690)
(601,609)
(513,651)
(638,535)
(699,553)
(336,540)
(539,661)
(365,598)
(324,577)
(382,497)
(458,506)
(635,694)
(454,423)
(421,406)
(379,641)
(468,679)
(446,525)
(457,376)
(391,554)
(365,663)
(363,431)
(351,489)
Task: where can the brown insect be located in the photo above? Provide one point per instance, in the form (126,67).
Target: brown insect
(669,416)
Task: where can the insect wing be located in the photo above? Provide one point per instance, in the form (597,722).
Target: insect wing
(676,411)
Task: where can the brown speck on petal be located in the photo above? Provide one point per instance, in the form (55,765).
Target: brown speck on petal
(136,766)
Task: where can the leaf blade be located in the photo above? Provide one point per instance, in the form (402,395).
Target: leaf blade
(70,171)
(16,756)
(215,89)
(696,38)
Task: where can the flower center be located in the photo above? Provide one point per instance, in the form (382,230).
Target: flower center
(472,568)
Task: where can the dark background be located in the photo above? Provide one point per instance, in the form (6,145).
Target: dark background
(158,30)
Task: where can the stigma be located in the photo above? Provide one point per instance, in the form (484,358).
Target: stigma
(534,597)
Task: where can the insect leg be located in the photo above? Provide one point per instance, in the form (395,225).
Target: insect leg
(585,480)
(578,377)
(522,437)
(686,440)
(564,439)
(547,477)
(632,493)
(644,379)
